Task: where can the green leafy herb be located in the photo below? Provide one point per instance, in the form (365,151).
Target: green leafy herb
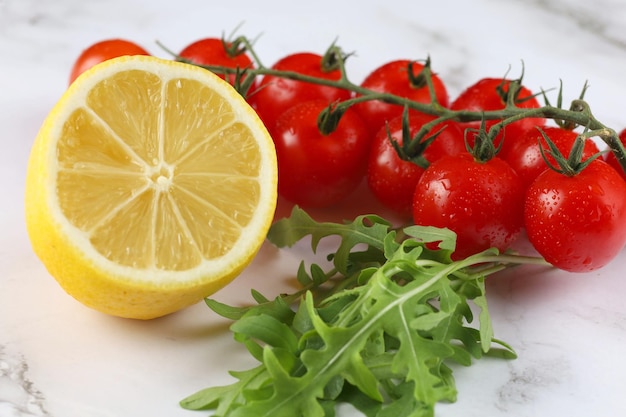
(379,330)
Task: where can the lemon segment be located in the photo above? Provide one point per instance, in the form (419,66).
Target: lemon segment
(151,184)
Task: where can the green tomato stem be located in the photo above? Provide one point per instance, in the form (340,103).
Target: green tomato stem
(579,113)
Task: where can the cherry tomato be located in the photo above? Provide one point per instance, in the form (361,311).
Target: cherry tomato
(102,51)
(391,179)
(316,170)
(525,154)
(214,51)
(277,94)
(482,202)
(393,77)
(484,95)
(577,223)
(611,159)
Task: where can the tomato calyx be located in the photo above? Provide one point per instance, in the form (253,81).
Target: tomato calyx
(571,165)
(412,147)
(484,148)
(243,81)
(509,90)
(421,79)
(424,78)
(329,118)
(577,106)
(235,47)
(607,135)
(334,59)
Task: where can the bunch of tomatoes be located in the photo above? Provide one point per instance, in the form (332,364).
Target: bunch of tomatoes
(575,219)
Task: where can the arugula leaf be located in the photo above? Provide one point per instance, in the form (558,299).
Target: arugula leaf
(225,399)
(370,230)
(380,338)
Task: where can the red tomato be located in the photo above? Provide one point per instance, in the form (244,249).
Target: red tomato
(391,179)
(525,157)
(102,51)
(484,96)
(611,159)
(213,51)
(393,78)
(316,170)
(277,94)
(482,202)
(577,223)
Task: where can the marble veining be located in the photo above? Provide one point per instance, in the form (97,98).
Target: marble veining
(525,383)
(587,17)
(19,397)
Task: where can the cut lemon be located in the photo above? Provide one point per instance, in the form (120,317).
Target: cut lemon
(151,184)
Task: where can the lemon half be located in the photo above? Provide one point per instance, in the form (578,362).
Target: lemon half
(151,184)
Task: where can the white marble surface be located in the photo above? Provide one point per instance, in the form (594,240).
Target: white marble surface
(59,359)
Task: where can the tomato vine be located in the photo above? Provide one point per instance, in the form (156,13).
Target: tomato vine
(578,114)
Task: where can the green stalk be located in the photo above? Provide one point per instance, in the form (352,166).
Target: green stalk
(579,113)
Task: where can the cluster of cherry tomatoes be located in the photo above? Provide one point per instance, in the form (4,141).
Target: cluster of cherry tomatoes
(576,222)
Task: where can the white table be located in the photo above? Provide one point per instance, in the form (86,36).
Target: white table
(58,358)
